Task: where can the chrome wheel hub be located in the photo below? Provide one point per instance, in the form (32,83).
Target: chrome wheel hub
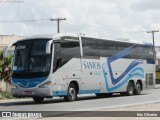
(72,92)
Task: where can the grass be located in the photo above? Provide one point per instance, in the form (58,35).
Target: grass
(6,95)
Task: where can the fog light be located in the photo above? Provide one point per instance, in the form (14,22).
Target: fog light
(14,87)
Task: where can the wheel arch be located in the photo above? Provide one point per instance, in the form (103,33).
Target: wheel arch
(75,83)
(132,82)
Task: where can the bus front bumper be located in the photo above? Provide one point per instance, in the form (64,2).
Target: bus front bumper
(30,92)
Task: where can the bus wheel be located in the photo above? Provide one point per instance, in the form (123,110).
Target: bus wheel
(71,93)
(130,88)
(38,99)
(138,88)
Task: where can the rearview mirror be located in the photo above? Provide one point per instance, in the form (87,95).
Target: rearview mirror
(6,54)
(48,47)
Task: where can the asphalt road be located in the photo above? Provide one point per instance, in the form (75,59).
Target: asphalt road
(84,103)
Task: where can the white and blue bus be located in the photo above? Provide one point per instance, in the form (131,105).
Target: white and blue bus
(65,65)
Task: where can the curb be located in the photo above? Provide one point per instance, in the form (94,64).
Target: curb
(13,100)
(120,106)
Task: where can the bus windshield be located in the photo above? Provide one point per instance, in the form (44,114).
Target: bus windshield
(30,56)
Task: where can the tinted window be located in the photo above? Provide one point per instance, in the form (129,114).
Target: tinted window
(90,47)
(22,54)
(31,59)
(70,48)
(108,48)
(57,56)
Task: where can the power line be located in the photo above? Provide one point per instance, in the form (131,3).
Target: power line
(19,21)
(36,20)
(81,24)
(98,28)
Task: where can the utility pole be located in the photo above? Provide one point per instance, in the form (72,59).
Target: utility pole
(153,31)
(154,55)
(58,22)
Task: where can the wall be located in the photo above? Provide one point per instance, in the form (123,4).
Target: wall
(8,39)
(4,86)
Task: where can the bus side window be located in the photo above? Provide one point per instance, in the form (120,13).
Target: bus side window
(91,47)
(70,48)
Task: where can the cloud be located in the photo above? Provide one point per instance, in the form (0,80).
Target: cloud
(101,18)
(146,5)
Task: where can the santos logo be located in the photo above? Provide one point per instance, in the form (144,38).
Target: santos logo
(91,65)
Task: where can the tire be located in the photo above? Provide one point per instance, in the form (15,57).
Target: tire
(71,93)
(38,99)
(138,88)
(130,89)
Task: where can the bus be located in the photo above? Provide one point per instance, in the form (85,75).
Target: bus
(65,65)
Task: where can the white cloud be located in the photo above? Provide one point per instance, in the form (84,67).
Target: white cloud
(103,18)
(146,5)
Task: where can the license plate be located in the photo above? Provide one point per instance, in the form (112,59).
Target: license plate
(28,92)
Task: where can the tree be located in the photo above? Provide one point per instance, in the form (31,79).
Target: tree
(5,67)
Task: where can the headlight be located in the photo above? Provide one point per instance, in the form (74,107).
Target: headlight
(13,86)
(45,85)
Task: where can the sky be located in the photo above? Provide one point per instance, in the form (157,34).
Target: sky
(109,19)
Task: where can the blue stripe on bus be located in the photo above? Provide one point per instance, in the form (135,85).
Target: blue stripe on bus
(89,91)
(128,69)
(121,54)
(138,72)
(27,83)
(131,71)
(57,93)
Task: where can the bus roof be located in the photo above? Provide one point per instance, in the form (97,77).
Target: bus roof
(57,36)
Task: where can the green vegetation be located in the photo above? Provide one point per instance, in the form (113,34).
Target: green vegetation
(5,67)
(5,74)
(5,95)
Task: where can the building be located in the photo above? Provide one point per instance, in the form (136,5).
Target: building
(8,39)
(157,64)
